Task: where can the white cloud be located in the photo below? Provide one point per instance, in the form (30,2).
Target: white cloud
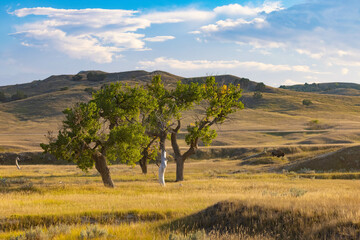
(240,10)
(223,25)
(290,82)
(96,34)
(309,53)
(344,71)
(187,15)
(206,64)
(159,38)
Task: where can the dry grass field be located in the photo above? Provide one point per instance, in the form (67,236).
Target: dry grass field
(139,208)
(233,189)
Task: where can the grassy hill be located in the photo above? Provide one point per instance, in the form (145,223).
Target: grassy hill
(278,118)
(338,88)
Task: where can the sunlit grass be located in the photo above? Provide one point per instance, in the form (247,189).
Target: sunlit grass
(66,191)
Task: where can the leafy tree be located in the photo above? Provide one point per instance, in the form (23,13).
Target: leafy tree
(170,103)
(96,77)
(307,102)
(78,77)
(104,130)
(260,87)
(18,95)
(2,97)
(220,102)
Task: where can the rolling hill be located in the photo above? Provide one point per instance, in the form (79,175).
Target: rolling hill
(278,118)
(339,88)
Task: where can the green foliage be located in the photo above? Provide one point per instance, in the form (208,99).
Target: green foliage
(77,77)
(307,102)
(2,97)
(64,88)
(18,95)
(257,95)
(39,234)
(90,90)
(220,101)
(260,87)
(93,232)
(109,124)
(95,77)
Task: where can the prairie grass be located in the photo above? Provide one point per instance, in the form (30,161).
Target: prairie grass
(139,208)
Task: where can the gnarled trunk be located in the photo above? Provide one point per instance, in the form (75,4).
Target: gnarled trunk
(143,164)
(180,158)
(180,169)
(103,169)
(163,163)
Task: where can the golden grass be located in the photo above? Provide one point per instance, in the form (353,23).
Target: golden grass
(44,190)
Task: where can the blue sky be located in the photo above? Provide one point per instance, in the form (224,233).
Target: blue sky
(275,42)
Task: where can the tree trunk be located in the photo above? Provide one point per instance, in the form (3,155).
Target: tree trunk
(143,164)
(180,169)
(162,167)
(103,169)
(163,163)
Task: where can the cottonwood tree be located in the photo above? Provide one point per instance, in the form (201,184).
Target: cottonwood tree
(170,103)
(219,103)
(104,130)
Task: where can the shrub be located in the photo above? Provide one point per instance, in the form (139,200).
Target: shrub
(307,102)
(92,232)
(2,97)
(297,192)
(77,77)
(96,77)
(257,95)
(18,95)
(64,88)
(260,87)
(89,90)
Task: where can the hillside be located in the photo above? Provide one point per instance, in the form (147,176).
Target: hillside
(277,118)
(339,88)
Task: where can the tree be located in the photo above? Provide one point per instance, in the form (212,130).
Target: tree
(307,102)
(2,97)
(104,130)
(18,95)
(260,87)
(219,102)
(170,105)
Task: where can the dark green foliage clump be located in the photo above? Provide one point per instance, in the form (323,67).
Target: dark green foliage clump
(18,96)
(78,77)
(307,102)
(260,87)
(96,77)
(90,90)
(257,95)
(2,97)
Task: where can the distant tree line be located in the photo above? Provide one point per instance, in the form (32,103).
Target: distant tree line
(320,87)
(16,96)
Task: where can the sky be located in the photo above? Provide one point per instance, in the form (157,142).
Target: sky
(276,42)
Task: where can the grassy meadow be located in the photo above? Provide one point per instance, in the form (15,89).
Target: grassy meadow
(139,208)
(233,189)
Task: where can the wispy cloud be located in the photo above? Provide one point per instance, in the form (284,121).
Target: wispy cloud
(241,10)
(163,62)
(159,38)
(96,34)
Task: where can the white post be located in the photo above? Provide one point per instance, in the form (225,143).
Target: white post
(162,167)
